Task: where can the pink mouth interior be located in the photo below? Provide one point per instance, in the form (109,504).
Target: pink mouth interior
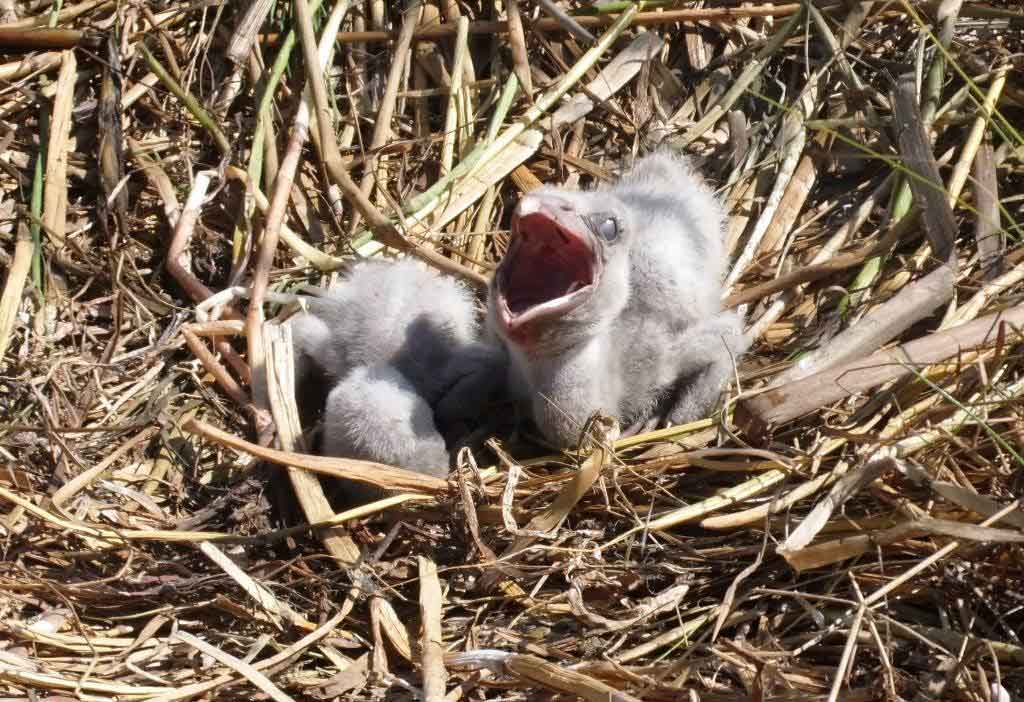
(548,263)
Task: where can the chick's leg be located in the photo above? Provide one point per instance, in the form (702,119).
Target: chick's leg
(475,376)
(704,363)
(375,414)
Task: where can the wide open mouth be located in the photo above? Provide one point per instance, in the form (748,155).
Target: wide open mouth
(549,269)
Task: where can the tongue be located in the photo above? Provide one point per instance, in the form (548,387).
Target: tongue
(546,268)
(539,279)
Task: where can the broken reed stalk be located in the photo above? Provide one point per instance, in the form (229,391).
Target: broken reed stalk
(258,679)
(276,609)
(451,121)
(538,672)
(81,481)
(63,16)
(784,403)
(40,63)
(197,689)
(114,202)
(794,137)
(237,53)
(165,42)
(318,259)
(602,433)
(264,114)
(878,596)
(366,472)
(948,11)
(567,21)
(958,178)
(175,264)
(988,235)
(922,171)
(25,40)
(423,203)
(280,383)
(848,230)
(643,19)
(36,225)
(157,176)
(739,87)
(430,200)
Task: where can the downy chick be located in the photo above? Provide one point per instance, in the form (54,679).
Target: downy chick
(610,300)
(398,343)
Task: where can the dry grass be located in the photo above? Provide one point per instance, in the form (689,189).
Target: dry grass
(848,528)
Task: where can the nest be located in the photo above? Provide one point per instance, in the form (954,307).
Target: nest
(845,526)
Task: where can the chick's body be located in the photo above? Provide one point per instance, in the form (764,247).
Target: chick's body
(649,343)
(399,344)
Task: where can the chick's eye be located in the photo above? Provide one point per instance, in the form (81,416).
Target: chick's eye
(607,228)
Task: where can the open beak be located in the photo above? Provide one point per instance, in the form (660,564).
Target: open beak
(551,264)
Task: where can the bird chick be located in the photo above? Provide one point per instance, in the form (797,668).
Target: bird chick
(398,342)
(610,300)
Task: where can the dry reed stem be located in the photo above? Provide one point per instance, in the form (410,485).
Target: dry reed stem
(160,180)
(781,404)
(40,63)
(814,271)
(19,40)
(567,21)
(55,199)
(17,274)
(517,38)
(991,241)
(432,651)
(280,369)
(602,433)
(451,120)
(315,257)
(187,692)
(265,599)
(520,141)
(543,674)
(794,137)
(65,15)
(114,538)
(958,178)
(71,488)
(750,73)
(835,242)
(257,678)
(376,474)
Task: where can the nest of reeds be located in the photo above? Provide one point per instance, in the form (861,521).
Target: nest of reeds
(847,524)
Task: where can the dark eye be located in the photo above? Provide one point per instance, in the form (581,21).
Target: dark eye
(605,226)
